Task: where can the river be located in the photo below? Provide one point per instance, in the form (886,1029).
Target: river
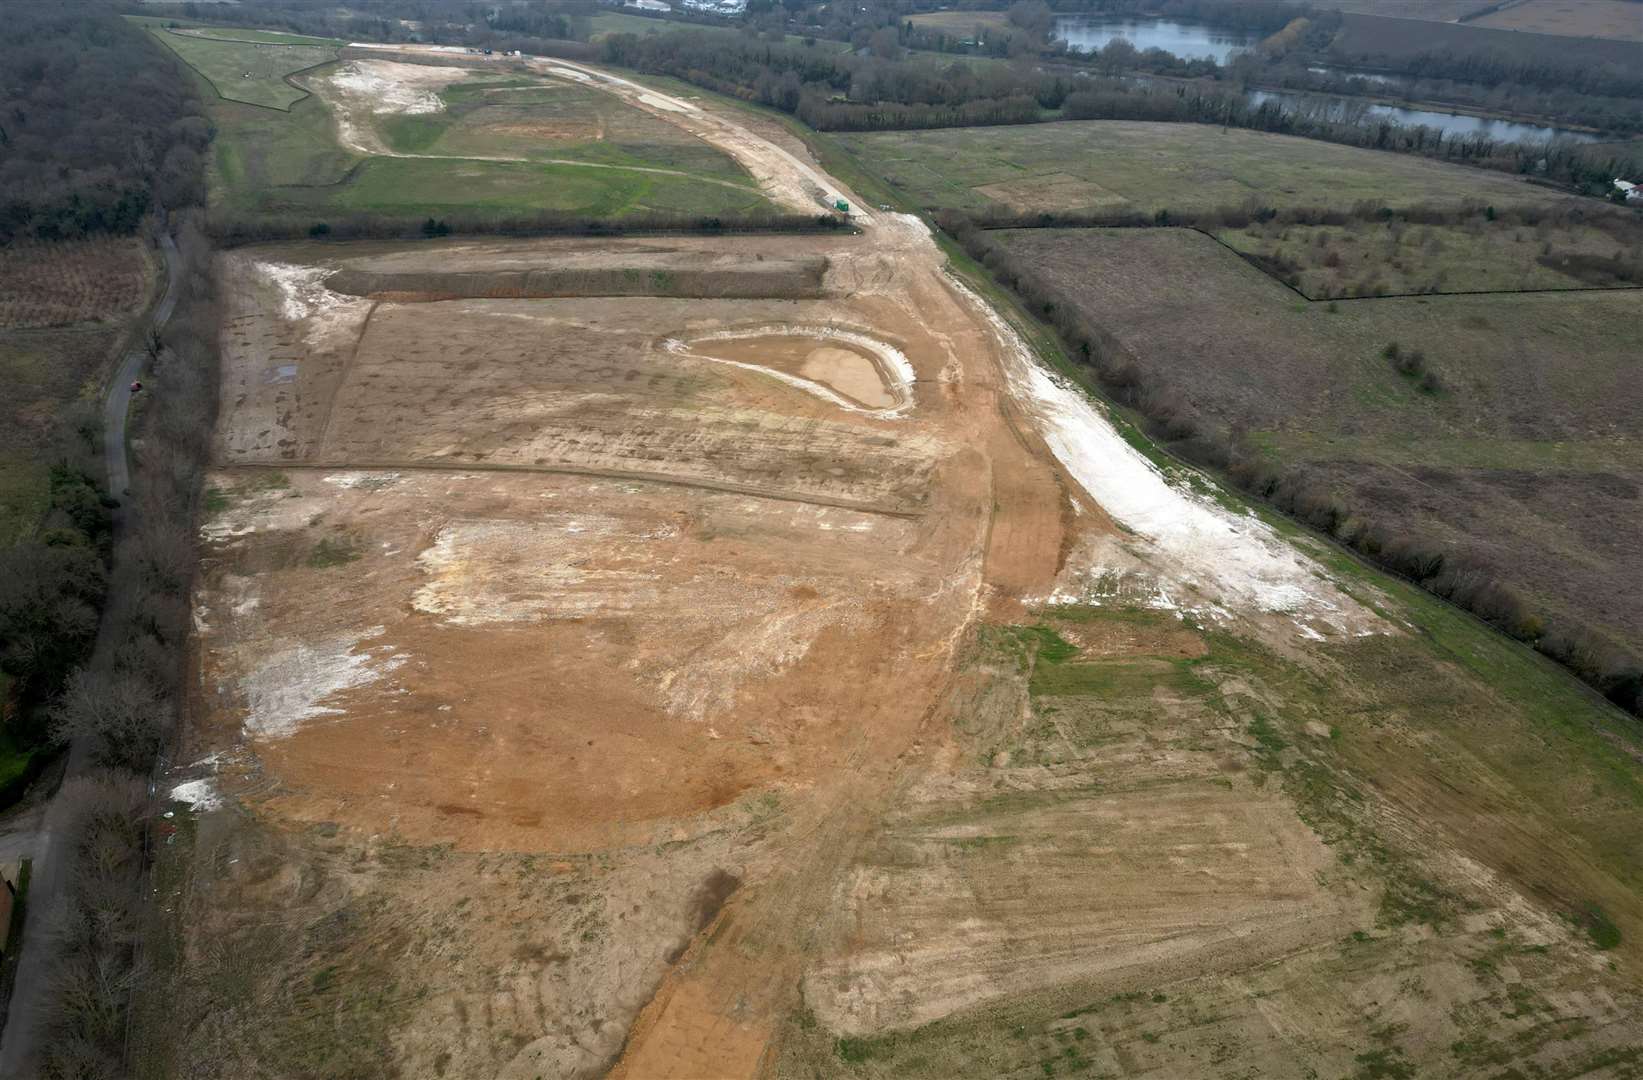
(1196,40)
(1449,123)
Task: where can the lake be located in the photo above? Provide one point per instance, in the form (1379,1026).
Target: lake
(1448,123)
(1184,39)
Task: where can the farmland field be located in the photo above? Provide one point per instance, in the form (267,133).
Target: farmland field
(1366,258)
(1618,19)
(1531,455)
(252,72)
(63,308)
(1434,10)
(1150,166)
(1401,39)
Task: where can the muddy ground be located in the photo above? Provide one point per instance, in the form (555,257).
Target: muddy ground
(661,686)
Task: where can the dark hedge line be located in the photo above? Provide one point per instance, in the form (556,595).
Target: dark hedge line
(230,230)
(1459,577)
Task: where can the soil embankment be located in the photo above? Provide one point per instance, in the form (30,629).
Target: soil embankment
(665,274)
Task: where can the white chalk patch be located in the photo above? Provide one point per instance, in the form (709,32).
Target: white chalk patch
(367,481)
(325,315)
(523,571)
(200,794)
(292,684)
(1234,558)
(392,87)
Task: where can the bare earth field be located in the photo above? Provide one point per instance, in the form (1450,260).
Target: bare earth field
(673,685)
(1618,19)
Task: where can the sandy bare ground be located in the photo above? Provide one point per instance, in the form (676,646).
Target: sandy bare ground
(643,622)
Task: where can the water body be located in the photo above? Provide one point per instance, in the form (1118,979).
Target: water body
(1447,122)
(1190,41)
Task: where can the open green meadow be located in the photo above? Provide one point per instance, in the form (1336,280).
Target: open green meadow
(1107,164)
(254,72)
(552,121)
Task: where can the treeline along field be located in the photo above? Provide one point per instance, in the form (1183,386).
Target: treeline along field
(101,130)
(1484,447)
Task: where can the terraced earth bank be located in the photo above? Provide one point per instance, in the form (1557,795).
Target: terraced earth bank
(803,681)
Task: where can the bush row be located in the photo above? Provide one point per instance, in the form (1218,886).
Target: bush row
(1461,577)
(122,703)
(230,230)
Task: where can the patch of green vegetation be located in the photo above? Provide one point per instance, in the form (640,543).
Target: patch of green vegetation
(1116,679)
(251,71)
(332,551)
(1599,927)
(1100,164)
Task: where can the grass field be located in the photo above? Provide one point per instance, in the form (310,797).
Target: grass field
(1149,166)
(965,23)
(252,72)
(1377,259)
(550,120)
(1618,19)
(1531,454)
(561,147)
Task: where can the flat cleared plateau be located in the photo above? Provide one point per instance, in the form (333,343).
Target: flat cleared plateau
(683,683)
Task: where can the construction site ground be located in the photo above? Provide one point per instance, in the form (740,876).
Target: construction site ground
(773,670)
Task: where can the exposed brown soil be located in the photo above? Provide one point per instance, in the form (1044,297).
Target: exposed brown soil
(602,698)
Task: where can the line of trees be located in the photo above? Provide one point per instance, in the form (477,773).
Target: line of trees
(231,229)
(124,700)
(1460,577)
(100,129)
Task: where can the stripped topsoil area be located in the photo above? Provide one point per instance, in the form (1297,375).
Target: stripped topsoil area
(629,586)
(654,686)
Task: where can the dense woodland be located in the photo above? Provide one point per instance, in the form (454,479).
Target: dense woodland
(95,127)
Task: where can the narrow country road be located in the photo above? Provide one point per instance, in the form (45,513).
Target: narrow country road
(18,1040)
